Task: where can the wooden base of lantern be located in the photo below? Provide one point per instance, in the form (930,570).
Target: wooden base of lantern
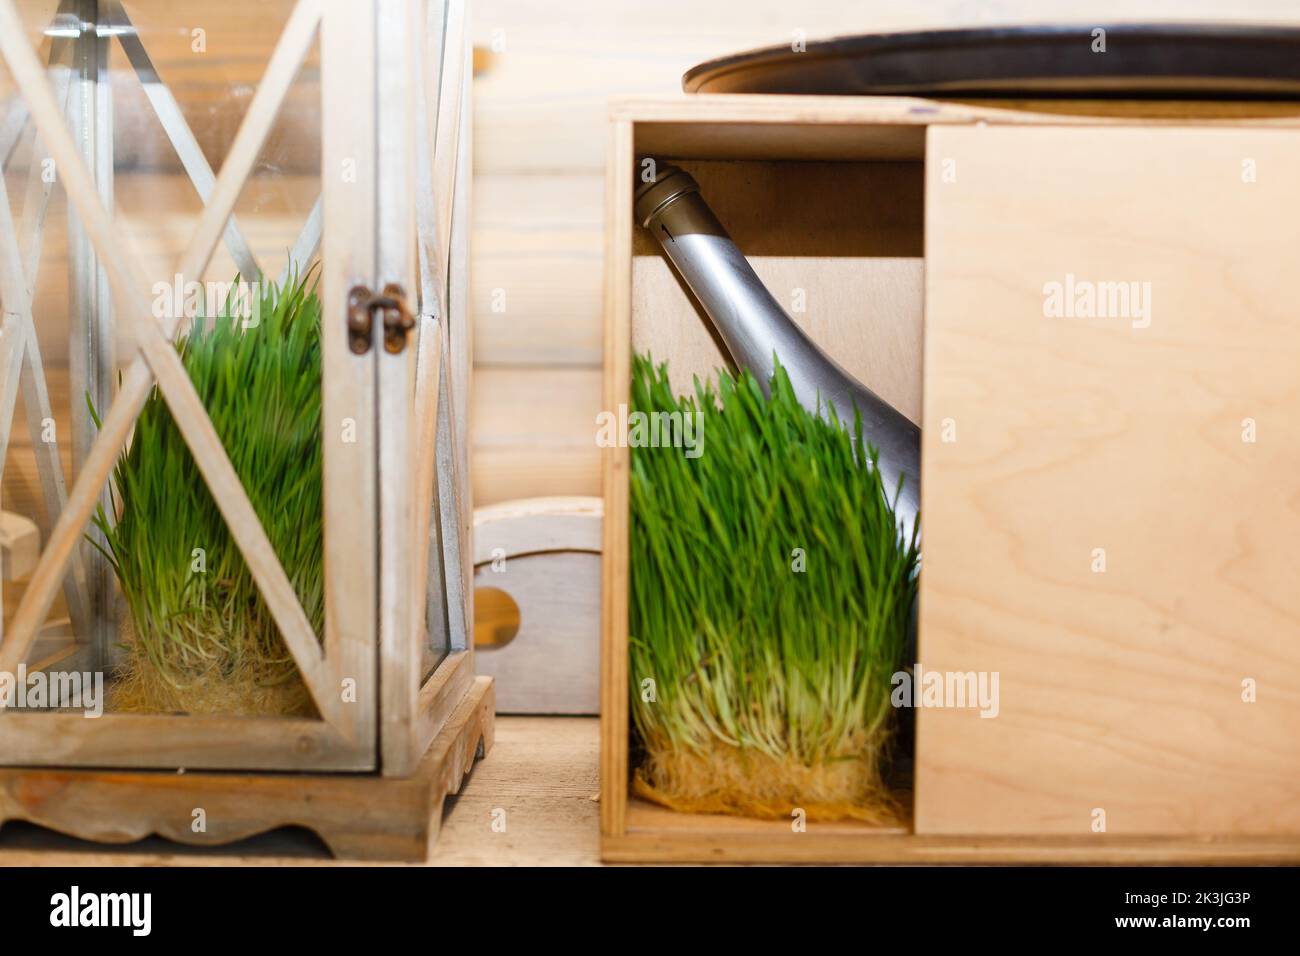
(359,816)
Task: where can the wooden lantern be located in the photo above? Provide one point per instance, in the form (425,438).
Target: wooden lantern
(399,712)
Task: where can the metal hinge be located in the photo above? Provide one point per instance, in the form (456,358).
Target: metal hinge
(396,317)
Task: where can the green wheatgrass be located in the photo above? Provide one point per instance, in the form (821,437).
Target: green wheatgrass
(204,641)
(771,685)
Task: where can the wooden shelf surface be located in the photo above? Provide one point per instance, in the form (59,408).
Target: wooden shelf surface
(541,771)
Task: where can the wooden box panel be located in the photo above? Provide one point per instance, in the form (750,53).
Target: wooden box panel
(1009,791)
(1166,445)
(832,214)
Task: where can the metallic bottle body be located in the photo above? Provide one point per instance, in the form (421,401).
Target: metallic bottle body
(754,328)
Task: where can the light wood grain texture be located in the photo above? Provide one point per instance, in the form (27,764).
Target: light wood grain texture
(401,621)
(616,462)
(358,816)
(537,249)
(22,494)
(997,502)
(446,231)
(447,126)
(552,665)
(20,359)
(45,739)
(540,110)
(426,569)
(541,782)
(403,661)
(20,541)
(536,243)
(540,773)
(350,209)
(460,329)
(545,86)
(212,85)
(422,436)
(656,835)
(842,239)
(178,131)
(540,779)
(767,126)
(544,554)
(1121,689)
(429,598)
(513,529)
(441,693)
(538,424)
(444,179)
(295,42)
(442,388)
(867,310)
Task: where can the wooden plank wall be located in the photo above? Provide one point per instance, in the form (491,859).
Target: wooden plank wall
(545,74)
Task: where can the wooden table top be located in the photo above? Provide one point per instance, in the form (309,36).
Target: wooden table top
(542,772)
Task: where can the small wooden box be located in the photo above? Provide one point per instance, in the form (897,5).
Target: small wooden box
(1109,508)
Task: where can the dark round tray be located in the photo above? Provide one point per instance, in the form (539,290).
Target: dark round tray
(1141,61)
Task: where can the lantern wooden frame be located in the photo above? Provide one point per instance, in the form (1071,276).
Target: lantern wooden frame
(401,485)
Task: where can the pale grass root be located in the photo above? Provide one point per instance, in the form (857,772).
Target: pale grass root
(245,688)
(747,783)
(138,688)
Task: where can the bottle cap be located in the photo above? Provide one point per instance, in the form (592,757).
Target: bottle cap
(670,182)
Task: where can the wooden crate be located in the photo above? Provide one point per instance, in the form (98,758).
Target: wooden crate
(918,228)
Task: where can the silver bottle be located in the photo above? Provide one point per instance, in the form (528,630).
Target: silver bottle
(754,328)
